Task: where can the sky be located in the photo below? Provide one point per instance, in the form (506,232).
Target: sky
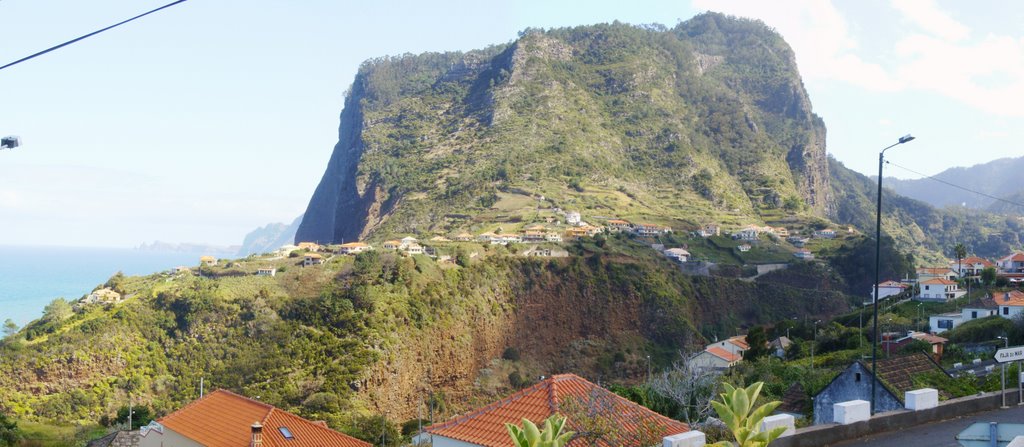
(206,120)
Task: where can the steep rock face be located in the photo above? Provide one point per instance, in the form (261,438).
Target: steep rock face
(707,117)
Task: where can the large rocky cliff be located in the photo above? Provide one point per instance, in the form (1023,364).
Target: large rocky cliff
(707,117)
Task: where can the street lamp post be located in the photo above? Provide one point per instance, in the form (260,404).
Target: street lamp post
(814,342)
(878,259)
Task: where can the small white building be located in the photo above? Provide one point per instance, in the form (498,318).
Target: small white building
(827,233)
(709,230)
(105,295)
(573,218)
(750,233)
(352,248)
(888,288)
(804,254)
(677,254)
(266,271)
(743,248)
(312,259)
(714,358)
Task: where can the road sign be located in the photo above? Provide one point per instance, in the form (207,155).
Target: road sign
(1011,354)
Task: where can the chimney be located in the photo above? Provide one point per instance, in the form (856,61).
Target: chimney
(1006,297)
(257,435)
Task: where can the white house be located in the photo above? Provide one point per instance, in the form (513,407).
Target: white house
(573,218)
(677,254)
(888,288)
(827,233)
(709,230)
(939,289)
(105,295)
(352,248)
(750,233)
(1012,263)
(734,345)
(970,266)
(1010,303)
(981,308)
(714,358)
(642,229)
(266,271)
(743,248)
(804,254)
(312,259)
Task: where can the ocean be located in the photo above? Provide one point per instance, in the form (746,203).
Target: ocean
(31,277)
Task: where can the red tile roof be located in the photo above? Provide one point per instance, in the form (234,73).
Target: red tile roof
(723,354)
(934,270)
(225,419)
(1011,298)
(971,260)
(486,426)
(891,283)
(942,281)
(739,340)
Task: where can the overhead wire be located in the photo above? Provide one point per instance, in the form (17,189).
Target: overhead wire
(90,34)
(1000,199)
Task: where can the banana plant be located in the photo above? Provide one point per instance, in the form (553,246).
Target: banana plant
(736,410)
(550,436)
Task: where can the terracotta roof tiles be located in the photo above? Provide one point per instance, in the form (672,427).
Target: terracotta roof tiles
(723,354)
(224,419)
(486,426)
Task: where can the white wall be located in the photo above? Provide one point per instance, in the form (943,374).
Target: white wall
(439,441)
(169,438)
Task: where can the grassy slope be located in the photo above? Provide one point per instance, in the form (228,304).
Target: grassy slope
(327,341)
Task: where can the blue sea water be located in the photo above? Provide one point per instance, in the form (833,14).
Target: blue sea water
(31,277)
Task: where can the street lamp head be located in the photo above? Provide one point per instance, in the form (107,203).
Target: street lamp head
(906,138)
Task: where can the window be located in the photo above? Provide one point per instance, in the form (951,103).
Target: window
(945,324)
(286,433)
(857,377)
(1006,311)
(974,314)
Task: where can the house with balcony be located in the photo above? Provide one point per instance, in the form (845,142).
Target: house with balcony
(926,273)
(1012,263)
(970,266)
(748,233)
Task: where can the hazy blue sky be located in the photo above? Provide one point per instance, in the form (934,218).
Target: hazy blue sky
(204,121)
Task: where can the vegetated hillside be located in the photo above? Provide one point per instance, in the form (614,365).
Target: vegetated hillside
(380,333)
(1013,205)
(704,122)
(997,178)
(918,227)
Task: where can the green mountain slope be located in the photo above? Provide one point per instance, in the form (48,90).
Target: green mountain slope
(705,121)
(998,178)
(379,333)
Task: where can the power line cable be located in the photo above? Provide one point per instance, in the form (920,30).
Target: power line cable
(957,186)
(90,34)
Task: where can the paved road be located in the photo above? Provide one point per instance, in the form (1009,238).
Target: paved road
(937,434)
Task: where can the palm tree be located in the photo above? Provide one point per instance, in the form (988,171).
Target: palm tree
(961,252)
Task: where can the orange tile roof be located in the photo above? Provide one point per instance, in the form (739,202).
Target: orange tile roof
(891,283)
(739,340)
(353,245)
(486,426)
(1012,298)
(942,281)
(933,270)
(723,354)
(976,260)
(224,419)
